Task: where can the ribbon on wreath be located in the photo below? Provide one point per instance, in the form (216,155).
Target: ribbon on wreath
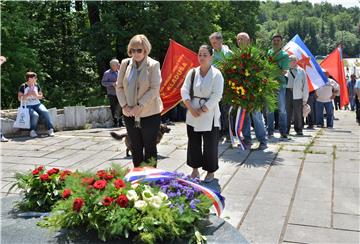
(239,123)
(136,175)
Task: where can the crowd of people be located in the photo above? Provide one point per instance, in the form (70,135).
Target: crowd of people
(133,87)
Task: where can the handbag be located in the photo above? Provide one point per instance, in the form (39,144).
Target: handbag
(23,117)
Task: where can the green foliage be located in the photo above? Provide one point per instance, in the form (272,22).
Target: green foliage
(70,48)
(316,24)
(146,215)
(249,79)
(41,188)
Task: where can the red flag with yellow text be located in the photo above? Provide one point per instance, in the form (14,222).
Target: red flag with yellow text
(178,61)
(333,63)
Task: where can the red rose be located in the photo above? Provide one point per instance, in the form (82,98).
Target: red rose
(243,97)
(64,174)
(101,174)
(35,172)
(107,201)
(87,181)
(109,176)
(100,184)
(122,201)
(119,183)
(66,193)
(53,171)
(44,177)
(77,204)
(40,168)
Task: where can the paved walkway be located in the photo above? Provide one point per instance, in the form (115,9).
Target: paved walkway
(304,190)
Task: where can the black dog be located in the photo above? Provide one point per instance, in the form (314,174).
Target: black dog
(163,129)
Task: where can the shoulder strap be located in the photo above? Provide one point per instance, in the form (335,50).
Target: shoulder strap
(192,84)
(292,74)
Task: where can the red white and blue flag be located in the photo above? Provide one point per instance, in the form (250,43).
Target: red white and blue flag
(136,175)
(316,78)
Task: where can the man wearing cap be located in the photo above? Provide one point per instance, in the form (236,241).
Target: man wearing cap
(109,81)
(324,97)
(281,58)
(297,93)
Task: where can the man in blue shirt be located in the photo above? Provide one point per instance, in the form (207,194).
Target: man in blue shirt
(109,81)
(351,90)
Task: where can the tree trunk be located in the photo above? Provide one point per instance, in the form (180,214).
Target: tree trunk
(93,12)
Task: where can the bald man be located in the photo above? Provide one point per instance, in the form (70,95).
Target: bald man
(243,40)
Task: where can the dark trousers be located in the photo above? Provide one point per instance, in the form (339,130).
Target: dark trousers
(337,102)
(357,106)
(202,149)
(224,117)
(294,109)
(144,138)
(311,118)
(115,107)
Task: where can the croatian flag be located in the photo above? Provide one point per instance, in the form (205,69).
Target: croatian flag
(316,78)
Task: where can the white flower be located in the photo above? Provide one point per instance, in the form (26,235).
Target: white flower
(156,201)
(140,205)
(162,195)
(132,195)
(147,195)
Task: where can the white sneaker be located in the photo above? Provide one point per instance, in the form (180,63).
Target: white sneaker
(51,132)
(3,138)
(33,133)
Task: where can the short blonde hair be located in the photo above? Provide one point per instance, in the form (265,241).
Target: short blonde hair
(139,40)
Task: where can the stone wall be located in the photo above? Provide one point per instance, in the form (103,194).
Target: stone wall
(69,118)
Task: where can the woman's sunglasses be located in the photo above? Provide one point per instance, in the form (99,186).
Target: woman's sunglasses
(136,50)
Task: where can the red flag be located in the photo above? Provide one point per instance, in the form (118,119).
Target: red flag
(178,61)
(333,63)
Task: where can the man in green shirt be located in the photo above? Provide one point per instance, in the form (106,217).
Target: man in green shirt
(219,51)
(281,58)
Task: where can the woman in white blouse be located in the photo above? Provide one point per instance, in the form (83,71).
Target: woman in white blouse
(201,93)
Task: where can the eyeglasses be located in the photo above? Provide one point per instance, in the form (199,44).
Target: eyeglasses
(136,50)
(32,76)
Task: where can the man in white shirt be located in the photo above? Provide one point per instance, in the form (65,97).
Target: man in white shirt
(297,93)
(324,97)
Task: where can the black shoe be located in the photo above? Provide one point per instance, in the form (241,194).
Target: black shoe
(299,133)
(115,123)
(284,136)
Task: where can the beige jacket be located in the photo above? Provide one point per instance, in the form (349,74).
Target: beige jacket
(148,84)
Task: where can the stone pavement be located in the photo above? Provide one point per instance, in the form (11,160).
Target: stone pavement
(304,190)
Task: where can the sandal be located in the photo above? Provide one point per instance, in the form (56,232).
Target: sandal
(209,177)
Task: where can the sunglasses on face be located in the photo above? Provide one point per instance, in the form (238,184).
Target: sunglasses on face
(33,76)
(136,50)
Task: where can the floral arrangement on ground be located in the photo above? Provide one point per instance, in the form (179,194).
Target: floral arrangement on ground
(249,79)
(146,204)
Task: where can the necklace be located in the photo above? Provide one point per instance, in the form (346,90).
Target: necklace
(203,73)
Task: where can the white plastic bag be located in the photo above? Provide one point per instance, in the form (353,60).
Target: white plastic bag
(23,117)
